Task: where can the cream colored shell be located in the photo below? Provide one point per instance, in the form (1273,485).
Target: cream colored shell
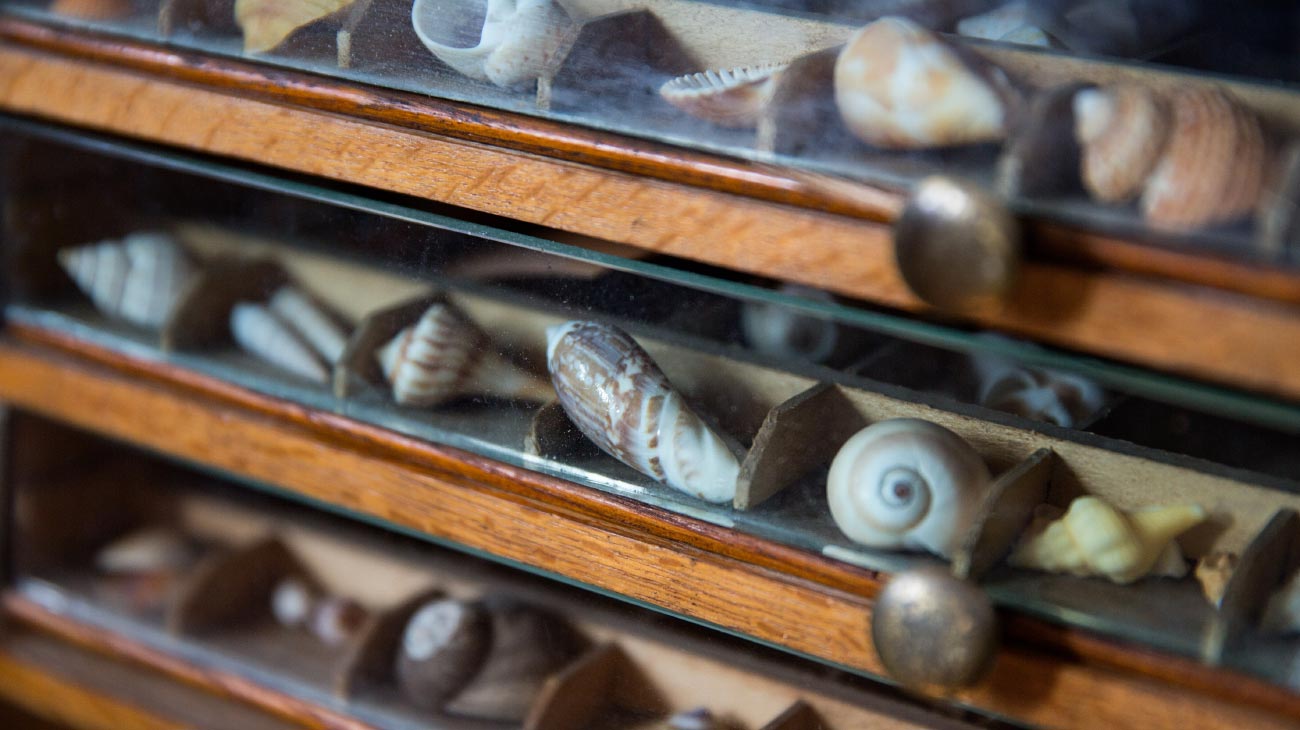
(261,333)
(507,42)
(1121,132)
(268,23)
(899,86)
(908,484)
(730,98)
(139,279)
(1094,538)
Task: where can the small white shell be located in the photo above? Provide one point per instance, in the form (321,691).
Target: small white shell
(292,602)
(507,42)
(139,279)
(317,328)
(730,98)
(617,396)
(444,355)
(906,483)
(775,330)
(261,333)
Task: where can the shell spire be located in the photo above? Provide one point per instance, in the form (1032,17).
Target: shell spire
(620,399)
(139,279)
(1095,538)
(261,333)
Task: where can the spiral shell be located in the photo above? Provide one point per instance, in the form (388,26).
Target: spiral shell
(444,355)
(1121,131)
(906,483)
(258,331)
(443,647)
(1213,167)
(731,98)
(899,86)
(1094,538)
(617,396)
(515,41)
(139,279)
(268,23)
(312,323)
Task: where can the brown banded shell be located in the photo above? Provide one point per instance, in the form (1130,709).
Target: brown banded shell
(1213,167)
(443,647)
(444,355)
(620,399)
(268,23)
(730,98)
(1121,131)
(139,279)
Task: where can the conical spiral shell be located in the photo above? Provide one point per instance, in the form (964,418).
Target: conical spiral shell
(1213,167)
(617,396)
(444,355)
(266,336)
(899,86)
(730,98)
(1121,131)
(906,483)
(139,279)
(301,312)
(1094,538)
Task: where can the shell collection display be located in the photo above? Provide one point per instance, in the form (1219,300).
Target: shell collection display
(729,98)
(444,644)
(619,398)
(444,355)
(332,619)
(909,484)
(506,42)
(268,23)
(1121,132)
(1093,538)
(139,279)
(900,86)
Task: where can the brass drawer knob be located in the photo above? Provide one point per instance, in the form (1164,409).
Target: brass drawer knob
(934,631)
(957,246)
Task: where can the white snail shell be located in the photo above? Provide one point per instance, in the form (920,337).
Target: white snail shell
(507,42)
(257,330)
(139,279)
(617,396)
(906,483)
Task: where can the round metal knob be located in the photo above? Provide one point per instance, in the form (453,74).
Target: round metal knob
(933,631)
(957,246)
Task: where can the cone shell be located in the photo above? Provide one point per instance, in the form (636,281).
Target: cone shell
(731,98)
(907,483)
(1094,538)
(443,647)
(139,279)
(268,23)
(258,331)
(899,86)
(617,396)
(1121,131)
(444,355)
(1213,166)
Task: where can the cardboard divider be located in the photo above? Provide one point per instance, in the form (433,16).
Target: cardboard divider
(1264,566)
(202,316)
(1005,514)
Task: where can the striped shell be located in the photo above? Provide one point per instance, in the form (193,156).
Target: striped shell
(617,396)
(139,279)
(1213,167)
(312,323)
(444,355)
(1121,131)
(732,98)
(261,333)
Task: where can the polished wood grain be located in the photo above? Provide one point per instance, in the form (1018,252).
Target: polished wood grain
(776,594)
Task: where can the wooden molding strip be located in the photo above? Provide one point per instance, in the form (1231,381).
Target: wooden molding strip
(779,595)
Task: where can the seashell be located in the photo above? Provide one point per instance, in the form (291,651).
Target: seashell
(93,9)
(1282,612)
(906,483)
(1095,539)
(1060,398)
(996,23)
(1213,165)
(292,602)
(899,86)
(150,550)
(775,330)
(444,355)
(268,23)
(1213,573)
(507,42)
(139,279)
(1121,132)
(617,396)
(732,98)
(443,647)
(527,647)
(336,619)
(264,335)
(306,317)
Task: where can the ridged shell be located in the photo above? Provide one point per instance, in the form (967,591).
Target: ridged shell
(617,396)
(899,86)
(1094,538)
(444,355)
(316,327)
(264,335)
(730,98)
(1213,166)
(139,279)
(996,23)
(268,23)
(507,42)
(443,647)
(1121,131)
(906,483)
